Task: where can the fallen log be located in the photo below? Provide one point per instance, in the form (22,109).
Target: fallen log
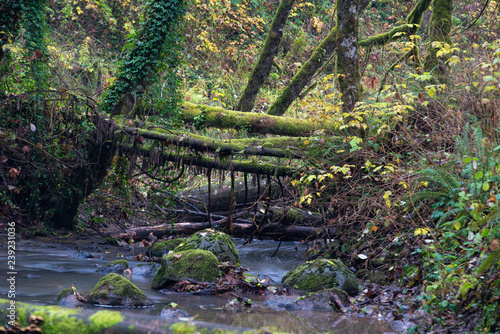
(27,318)
(244,230)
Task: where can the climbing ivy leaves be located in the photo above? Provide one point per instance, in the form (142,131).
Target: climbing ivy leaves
(157,40)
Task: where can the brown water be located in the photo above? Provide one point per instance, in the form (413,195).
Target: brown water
(43,270)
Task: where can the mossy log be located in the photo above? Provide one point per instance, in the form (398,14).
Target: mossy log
(56,319)
(272,231)
(199,160)
(281,147)
(263,67)
(253,122)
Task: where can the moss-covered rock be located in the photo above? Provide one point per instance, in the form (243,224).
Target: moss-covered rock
(116,290)
(219,243)
(68,298)
(322,274)
(117,266)
(193,264)
(163,247)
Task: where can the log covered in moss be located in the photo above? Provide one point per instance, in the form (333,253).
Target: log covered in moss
(253,122)
(56,319)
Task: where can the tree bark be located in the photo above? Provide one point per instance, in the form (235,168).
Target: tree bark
(263,67)
(347,55)
(320,55)
(326,48)
(273,231)
(439,33)
(253,122)
(144,57)
(220,163)
(281,147)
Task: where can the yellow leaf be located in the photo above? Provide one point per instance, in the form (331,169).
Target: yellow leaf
(457,226)
(386,198)
(403,183)
(79,10)
(422,231)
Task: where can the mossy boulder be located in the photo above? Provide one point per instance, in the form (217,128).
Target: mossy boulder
(322,274)
(192,264)
(219,243)
(116,290)
(68,298)
(163,247)
(117,266)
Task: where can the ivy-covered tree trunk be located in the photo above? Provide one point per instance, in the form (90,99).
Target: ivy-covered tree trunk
(263,67)
(318,58)
(143,59)
(439,33)
(10,15)
(347,53)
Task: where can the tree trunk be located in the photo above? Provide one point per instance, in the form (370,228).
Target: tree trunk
(144,57)
(281,147)
(439,33)
(220,163)
(347,54)
(263,67)
(324,51)
(253,122)
(320,55)
(273,231)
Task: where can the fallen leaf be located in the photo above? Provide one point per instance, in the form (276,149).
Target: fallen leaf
(374,229)
(14,172)
(421,97)
(25,149)
(494,245)
(371,82)
(177,256)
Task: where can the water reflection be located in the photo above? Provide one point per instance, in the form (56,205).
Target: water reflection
(43,271)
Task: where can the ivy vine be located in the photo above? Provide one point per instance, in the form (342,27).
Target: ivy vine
(155,47)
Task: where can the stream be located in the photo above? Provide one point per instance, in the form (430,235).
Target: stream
(44,269)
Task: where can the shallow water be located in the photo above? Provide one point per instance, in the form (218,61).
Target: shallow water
(44,270)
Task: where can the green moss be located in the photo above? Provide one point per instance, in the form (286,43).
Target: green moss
(163,247)
(194,264)
(64,293)
(257,123)
(322,274)
(104,319)
(219,243)
(114,289)
(117,266)
(119,262)
(183,328)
